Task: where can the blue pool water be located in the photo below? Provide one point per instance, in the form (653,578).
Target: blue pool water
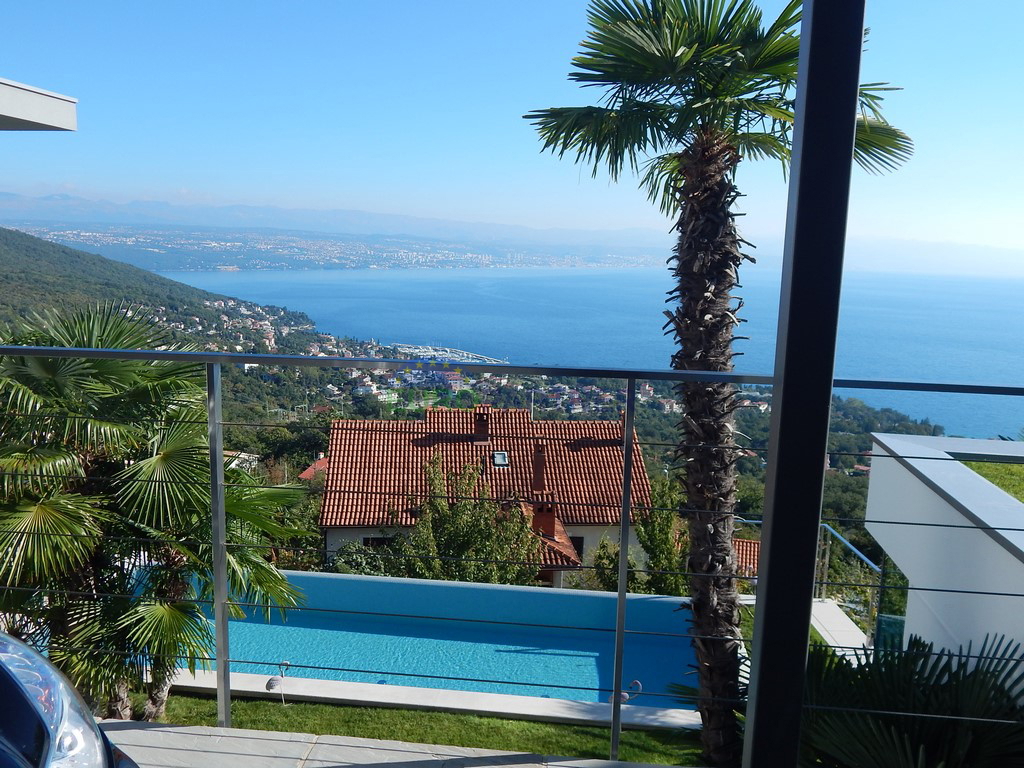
(465,649)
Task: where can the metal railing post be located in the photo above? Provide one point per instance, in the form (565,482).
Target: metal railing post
(831,38)
(620,603)
(220,554)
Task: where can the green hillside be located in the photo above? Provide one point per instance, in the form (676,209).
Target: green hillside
(36,275)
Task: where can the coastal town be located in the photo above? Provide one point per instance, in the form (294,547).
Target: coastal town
(190,248)
(433,374)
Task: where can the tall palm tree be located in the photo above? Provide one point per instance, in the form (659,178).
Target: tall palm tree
(104,508)
(690,88)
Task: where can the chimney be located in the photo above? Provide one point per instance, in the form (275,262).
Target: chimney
(544,514)
(482,424)
(539,462)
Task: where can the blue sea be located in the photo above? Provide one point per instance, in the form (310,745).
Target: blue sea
(892,326)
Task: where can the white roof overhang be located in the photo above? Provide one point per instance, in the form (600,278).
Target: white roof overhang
(24,108)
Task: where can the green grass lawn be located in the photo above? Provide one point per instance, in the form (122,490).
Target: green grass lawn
(1009,477)
(663,747)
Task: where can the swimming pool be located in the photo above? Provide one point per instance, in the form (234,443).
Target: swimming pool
(484,638)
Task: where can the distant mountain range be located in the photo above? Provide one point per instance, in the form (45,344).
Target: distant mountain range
(504,245)
(70,209)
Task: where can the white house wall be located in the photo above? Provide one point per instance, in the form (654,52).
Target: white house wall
(592,535)
(335,537)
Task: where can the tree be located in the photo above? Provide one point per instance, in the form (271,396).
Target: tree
(663,542)
(605,573)
(463,534)
(105,509)
(690,88)
(659,531)
(356,557)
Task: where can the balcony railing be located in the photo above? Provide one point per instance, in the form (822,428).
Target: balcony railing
(616,623)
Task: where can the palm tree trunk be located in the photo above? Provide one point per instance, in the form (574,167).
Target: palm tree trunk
(170,583)
(706,258)
(119,705)
(159,689)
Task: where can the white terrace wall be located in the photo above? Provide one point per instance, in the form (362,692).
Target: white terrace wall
(918,480)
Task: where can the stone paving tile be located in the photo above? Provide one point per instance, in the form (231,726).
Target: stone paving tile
(153,745)
(345,751)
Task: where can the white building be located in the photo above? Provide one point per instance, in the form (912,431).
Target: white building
(957,537)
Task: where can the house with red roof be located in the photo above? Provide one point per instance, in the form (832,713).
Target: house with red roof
(747,553)
(318,467)
(566,474)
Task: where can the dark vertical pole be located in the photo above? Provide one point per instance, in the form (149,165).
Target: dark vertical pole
(826,109)
(882,575)
(220,556)
(825,565)
(620,605)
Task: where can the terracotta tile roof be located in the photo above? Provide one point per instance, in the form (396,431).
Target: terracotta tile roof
(558,554)
(747,552)
(320,465)
(376,468)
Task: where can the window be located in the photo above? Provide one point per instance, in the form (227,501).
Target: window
(499,458)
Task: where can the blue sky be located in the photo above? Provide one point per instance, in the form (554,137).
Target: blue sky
(414,107)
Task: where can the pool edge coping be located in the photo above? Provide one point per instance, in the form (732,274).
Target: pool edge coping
(467,702)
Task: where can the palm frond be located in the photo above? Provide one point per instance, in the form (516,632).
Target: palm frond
(852,740)
(47,538)
(171,486)
(169,633)
(94,651)
(626,52)
(53,378)
(90,435)
(109,326)
(879,146)
(256,505)
(599,136)
(764,146)
(258,582)
(869,98)
(756,108)
(17,398)
(661,180)
(787,23)
(33,469)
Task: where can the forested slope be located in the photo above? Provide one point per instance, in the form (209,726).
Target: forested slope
(36,275)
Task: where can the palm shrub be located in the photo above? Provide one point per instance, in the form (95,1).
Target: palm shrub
(908,708)
(105,509)
(915,708)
